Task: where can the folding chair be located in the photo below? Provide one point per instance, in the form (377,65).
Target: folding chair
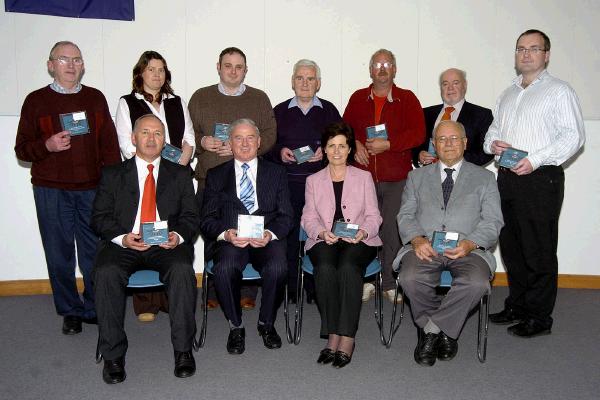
(248,274)
(483,324)
(374,268)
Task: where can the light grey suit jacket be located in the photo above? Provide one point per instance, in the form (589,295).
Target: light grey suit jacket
(473,209)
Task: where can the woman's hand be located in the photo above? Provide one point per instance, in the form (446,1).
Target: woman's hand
(328,237)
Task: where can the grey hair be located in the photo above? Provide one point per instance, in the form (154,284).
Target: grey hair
(59,44)
(462,73)
(382,51)
(146,116)
(307,63)
(460,127)
(243,121)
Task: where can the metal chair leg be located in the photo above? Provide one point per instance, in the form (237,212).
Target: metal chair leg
(393,328)
(198,343)
(482,331)
(299,308)
(286,313)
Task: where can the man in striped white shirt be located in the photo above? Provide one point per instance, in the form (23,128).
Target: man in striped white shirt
(539,114)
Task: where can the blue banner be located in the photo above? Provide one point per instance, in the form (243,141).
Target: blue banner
(102,9)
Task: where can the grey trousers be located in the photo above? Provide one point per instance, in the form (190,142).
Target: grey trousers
(389,197)
(470,281)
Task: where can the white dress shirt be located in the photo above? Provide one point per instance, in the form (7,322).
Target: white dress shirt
(543,119)
(124,127)
(142,173)
(453,115)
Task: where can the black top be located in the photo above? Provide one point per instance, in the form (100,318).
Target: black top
(337,190)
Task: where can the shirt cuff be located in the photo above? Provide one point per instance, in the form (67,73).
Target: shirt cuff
(119,241)
(273,236)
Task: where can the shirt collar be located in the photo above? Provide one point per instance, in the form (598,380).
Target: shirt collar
(519,79)
(457,107)
(142,165)
(141,96)
(456,167)
(315,102)
(252,163)
(390,98)
(240,90)
(59,89)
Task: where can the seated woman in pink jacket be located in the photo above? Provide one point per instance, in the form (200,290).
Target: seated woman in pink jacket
(340,192)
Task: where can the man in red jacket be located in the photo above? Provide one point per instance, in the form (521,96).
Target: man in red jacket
(388,122)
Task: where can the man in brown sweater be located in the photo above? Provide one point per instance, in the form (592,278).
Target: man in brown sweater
(68,135)
(212,108)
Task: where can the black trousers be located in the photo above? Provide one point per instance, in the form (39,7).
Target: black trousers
(115,264)
(339,270)
(269,261)
(531,207)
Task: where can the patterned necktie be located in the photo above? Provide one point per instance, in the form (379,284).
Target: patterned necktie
(246,189)
(148,213)
(447,112)
(447,185)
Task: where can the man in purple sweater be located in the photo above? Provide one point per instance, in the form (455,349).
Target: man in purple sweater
(300,123)
(68,135)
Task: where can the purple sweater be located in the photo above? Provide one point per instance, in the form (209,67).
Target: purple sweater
(294,129)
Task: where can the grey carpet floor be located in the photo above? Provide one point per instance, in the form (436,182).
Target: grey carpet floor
(38,362)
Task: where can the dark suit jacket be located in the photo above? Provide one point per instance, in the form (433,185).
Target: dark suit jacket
(221,206)
(476,120)
(118,196)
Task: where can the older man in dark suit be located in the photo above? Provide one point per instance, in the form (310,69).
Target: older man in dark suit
(461,201)
(247,186)
(127,197)
(475,119)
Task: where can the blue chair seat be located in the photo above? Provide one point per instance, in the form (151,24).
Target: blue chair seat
(248,274)
(144,278)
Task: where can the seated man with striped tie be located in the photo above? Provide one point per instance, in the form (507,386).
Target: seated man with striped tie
(450,217)
(247,186)
(145,188)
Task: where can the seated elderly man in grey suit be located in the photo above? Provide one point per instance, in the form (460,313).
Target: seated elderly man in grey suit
(460,200)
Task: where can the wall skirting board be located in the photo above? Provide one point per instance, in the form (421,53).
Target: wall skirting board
(42,286)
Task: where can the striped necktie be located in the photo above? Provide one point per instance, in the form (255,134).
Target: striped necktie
(246,189)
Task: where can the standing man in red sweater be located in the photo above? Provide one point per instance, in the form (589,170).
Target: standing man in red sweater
(68,135)
(388,122)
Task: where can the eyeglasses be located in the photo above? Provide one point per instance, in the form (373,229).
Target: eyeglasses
(531,50)
(449,139)
(385,65)
(63,60)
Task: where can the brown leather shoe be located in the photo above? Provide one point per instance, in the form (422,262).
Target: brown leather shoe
(247,303)
(211,304)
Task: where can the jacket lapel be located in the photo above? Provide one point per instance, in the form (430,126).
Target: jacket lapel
(165,174)
(130,203)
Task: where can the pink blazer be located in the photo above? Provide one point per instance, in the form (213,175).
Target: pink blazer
(359,205)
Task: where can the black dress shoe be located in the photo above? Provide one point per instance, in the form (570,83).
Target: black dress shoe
(71,325)
(341,359)
(114,371)
(236,341)
(427,348)
(529,328)
(270,337)
(90,321)
(506,316)
(185,365)
(326,356)
(447,347)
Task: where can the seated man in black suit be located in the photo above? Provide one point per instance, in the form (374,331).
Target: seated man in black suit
(475,119)
(128,196)
(247,186)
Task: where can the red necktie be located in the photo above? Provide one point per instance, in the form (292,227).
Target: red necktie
(148,213)
(447,112)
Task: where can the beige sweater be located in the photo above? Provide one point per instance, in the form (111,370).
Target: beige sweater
(209,107)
